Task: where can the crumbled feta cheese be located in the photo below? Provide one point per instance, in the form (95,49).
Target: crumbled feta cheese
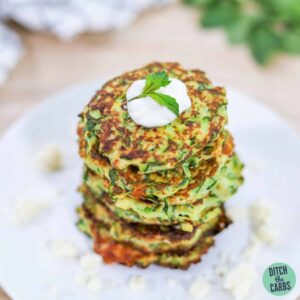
(50,158)
(27,210)
(172,282)
(259,213)
(64,249)
(199,288)
(239,280)
(90,261)
(88,277)
(91,282)
(266,234)
(137,283)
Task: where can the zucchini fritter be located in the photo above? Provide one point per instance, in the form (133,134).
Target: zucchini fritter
(142,245)
(156,195)
(202,202)
(105,120)
(147,238)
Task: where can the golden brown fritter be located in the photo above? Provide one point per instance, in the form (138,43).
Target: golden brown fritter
(106,122)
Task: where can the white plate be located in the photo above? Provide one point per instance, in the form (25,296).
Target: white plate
(27,270)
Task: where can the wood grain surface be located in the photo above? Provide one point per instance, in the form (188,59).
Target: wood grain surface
(169,34)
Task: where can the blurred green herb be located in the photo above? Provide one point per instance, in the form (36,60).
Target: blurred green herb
(267,27)
(154,82)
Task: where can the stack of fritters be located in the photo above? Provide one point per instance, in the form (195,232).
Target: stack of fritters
(155,195)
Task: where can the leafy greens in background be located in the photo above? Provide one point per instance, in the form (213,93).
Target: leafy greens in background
(267,27)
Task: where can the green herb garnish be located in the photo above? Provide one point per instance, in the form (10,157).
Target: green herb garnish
(154,82)
(267,27)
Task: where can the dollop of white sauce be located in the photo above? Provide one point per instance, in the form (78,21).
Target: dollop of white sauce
(147,112)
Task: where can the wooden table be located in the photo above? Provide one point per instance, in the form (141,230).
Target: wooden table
(170,34)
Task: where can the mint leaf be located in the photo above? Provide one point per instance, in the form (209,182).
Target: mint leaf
(155,81)
(167,101)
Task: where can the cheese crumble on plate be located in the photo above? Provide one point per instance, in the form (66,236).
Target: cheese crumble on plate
(63,249)
(239,280)
(137,283)
(50,158)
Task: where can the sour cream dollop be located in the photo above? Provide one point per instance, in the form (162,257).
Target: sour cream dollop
(147,112)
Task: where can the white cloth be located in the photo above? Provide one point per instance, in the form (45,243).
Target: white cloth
(64,19)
